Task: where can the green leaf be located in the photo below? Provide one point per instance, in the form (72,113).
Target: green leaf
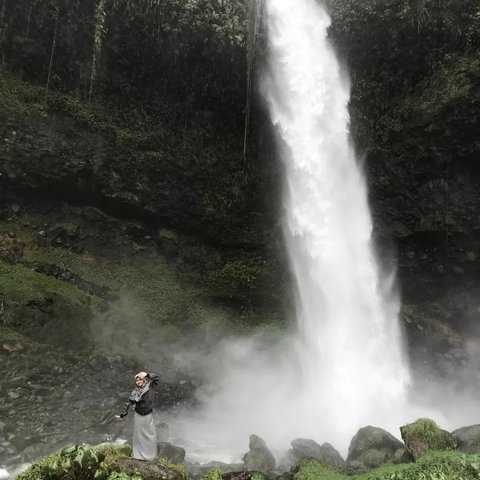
(79,457)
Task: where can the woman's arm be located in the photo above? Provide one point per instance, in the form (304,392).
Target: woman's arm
(125,408)
(153,378)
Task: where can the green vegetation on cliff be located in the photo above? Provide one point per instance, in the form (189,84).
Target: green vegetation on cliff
(64,281)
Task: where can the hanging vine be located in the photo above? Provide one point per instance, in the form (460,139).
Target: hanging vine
(254,20)
(52,50)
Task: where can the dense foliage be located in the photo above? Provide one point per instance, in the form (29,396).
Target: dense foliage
(144,52)
(397,49)
(80,463)
(177,64)
(415,68)
(170,78)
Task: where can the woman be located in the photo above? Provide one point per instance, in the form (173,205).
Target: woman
(144,434)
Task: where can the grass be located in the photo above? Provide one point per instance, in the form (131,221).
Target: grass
(9,336)
(20,100)
(25,102)
(137,287)
(437,465)
(21,284)
(148,282)
(151,286)
(314,470)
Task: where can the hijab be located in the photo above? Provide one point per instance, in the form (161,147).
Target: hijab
(138,392)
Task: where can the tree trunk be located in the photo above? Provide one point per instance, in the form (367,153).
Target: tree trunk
(2,29)
(29,20)
(97,42)
(2,17)
(52,52)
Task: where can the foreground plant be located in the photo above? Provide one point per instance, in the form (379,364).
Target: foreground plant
(80,463)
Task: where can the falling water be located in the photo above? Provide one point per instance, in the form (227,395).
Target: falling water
(345,369)
(350,345)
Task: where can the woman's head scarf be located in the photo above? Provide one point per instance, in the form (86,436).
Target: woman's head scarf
(137,392)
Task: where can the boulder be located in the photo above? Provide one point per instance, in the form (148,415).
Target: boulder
(171,452)
(306,448)
(259,456)
(424,435)
(467,439)
(197,470)
(163,432)
(372,447)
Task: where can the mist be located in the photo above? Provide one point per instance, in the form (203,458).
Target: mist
(344,366)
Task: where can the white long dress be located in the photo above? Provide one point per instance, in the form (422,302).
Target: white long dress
(144,437)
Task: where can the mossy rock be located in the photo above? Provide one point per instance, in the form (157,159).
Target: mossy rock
(307,448)
(372,447)
(259,456)
(424,435)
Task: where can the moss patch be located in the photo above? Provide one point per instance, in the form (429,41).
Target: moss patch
(11,339)
(19,283)
(424,435)
(180,469)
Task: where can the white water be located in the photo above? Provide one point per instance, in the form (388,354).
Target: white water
(346,369)
(350,345)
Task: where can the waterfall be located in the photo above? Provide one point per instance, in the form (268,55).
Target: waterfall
(344,368)
(349,345)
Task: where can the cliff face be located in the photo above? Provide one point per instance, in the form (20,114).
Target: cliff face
(159,163)
(58,158)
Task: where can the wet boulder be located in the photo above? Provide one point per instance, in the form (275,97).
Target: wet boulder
(213,469)
(424,435)
(372,447)
(467,439)
(307,448)
(259,457)
(171,452)
(163,432)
